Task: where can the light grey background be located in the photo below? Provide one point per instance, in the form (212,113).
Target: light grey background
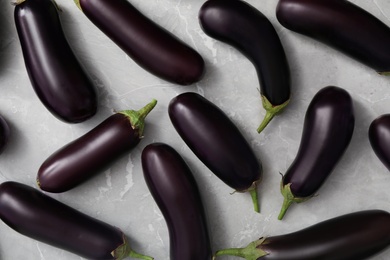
(120,197)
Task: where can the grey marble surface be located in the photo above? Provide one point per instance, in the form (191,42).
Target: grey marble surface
(120,197)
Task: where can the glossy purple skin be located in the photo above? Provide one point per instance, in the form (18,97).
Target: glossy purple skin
(342,25)
(215,140)
(175,191)
(327,132)
(38,216)
(55,73)
(244,27)
(379,136)
(4,134)
(88,155)
(353,236)
(149,45)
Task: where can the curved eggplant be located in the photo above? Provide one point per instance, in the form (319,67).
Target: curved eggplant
(175,191)
(341,25)
(149,45)
(217,142)
(55,73)
(379,136)
(4,134)
(38,216)
(355,236)
(327,132)
(93,152)
(247,29)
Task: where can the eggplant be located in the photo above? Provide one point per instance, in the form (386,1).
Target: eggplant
(93,152)
(38,216)
(241,25)
(176,193)
(341,25)
(327,132)
(56,75)
(4,133)
(217,142)
(152,47)
(379,137)
(356,236)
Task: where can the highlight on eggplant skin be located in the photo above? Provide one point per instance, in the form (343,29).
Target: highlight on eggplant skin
(342,25)
(244,27)
(93,152)
(327,131)
(379,137)
(38,216)
(152,47)
(176,193)
(217,142)
(357,236)
(56,75)
(4,134)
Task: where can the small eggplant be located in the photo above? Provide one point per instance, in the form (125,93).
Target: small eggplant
(55,73)
(38,216)
(327,132)
(341,25)
(4,134)
(247,29)
(217,142)
(149,45)
(93,152)
(354,236)
(379,136)
(175,191)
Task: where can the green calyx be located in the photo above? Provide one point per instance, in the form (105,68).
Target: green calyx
(77,2)
(137,118)
(250,252)
(289,198)
(271,111)
(123,251)
(385,73)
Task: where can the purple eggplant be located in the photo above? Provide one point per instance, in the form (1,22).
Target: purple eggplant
(4,134)
(55,73)
(356,236)
(38,216)
(379,136)
(149,45)
(244,27)
(175,191)
(217,142)
(341,25)
(327,132)
(93,152)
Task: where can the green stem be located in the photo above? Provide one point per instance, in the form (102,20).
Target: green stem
(286,204)
(123,251)
(250,252)
(289,198)
(137,118)
(385,73)
(134,254)
(271,111)
(255,199)
(77,2)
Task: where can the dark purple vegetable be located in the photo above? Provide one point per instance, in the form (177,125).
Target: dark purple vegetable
(354,236)
(55,73)
(341,25)
(4,134)
(93,152)
(149,45)
(38,216)
(217,142)
(247,29)
(175,191)
(327,132)
(379,136)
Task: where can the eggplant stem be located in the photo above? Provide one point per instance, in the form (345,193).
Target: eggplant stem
(77,2)
(271,111)
(134,254)
(286,204)
(385,73)
(250,252)
(143,112)
(255,199)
